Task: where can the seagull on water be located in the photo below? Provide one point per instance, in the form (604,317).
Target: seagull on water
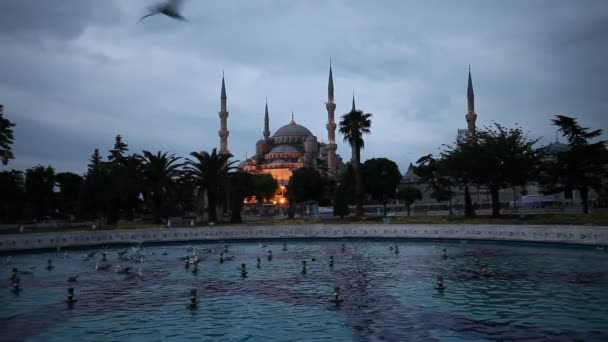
(169,8)
(102,267)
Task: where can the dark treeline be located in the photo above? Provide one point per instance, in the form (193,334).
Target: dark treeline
(500,158)
(158,185)
(497,158)
(127,186)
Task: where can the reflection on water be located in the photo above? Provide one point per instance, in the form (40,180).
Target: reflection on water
(493,291)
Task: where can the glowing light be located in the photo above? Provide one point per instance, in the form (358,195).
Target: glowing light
(282,200)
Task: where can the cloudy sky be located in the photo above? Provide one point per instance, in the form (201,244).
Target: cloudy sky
(74,73)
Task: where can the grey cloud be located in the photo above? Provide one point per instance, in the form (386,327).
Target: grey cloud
(75,73)
(60,19)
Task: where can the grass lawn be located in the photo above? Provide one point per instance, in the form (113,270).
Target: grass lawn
(595,219)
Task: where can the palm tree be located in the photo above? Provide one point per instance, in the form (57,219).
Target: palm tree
(6,138)
(354,125)
(159,172)
(210,171)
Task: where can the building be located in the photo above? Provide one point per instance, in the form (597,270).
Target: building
(291,146)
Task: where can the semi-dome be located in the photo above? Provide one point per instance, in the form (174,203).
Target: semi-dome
(284,148)
(292,130)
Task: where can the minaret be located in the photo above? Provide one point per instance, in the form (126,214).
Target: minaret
(223,121)
(266,123)
(471,116)
(331,127)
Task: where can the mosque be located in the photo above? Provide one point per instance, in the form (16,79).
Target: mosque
(292,146)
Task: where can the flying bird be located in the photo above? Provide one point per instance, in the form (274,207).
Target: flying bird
(169,8)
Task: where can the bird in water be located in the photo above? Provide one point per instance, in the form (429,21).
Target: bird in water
(138,275)
(121,270)
(169,8)
(102,267)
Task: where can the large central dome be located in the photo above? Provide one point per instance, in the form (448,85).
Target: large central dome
(292,130)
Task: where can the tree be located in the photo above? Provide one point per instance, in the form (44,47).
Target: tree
(118,152)
(241,187)
(132,185)
(211,172)
(346,180)
(409,195)
(95,162)
(70,192)
(341,202)
(583,166)
(354,125)
(39,184)
(12,196)
(181,199)
(305,184)
(6,138)
(328,191)
(380,178)
(264,187)
(160,172)
(98,193)
(126,182)
(434,173)
(501,157)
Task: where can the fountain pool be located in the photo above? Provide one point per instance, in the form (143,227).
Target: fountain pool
(492,291)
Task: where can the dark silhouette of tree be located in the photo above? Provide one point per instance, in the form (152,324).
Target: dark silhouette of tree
(118,152)
(583,166)
(305,184)
(181,200)
(70,193)
(6,138)
(241,187)
(380,178)
(160,171)
(354,125)
(126,181)
(95,162)
(12,196)
(211,172)
(39,184)
(409,195)
(341,202)
(98,190)
(501,157)
(133,186)
(264,187)
(434,174)
(347,181)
